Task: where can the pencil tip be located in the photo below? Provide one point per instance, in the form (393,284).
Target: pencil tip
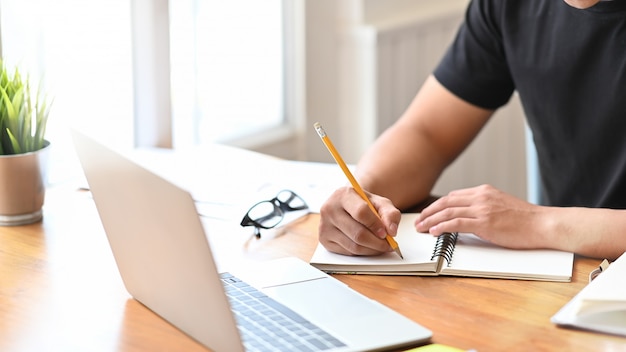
(399,253)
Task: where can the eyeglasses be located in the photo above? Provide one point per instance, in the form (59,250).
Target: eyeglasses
(268,214)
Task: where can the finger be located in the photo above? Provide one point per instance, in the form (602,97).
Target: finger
(459,200)
(344,245)
(338,248)
(339,230)
(360,211)
(361,233)
(453,225)
(389,214)
(350,237)
(446,220)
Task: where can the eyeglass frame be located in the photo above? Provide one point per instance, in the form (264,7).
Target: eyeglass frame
(280,208)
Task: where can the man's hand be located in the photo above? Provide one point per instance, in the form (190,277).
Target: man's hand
(348,226)
(489,213)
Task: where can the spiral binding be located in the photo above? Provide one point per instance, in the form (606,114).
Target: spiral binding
(445,246)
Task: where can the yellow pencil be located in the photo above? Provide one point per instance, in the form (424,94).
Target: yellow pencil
(355,184)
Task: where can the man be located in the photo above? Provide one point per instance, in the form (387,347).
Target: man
(567,61)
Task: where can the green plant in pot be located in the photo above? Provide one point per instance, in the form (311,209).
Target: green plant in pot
(23,149)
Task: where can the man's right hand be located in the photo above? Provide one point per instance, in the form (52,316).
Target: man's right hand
(348,226)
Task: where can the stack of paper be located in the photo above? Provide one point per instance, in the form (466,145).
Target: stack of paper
(601,305)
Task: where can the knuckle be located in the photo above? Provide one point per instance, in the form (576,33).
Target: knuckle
(483,198)
(352,248)
(456,223)
(325,209)
(487,188)
(362,211)
(360,236)
(324,241)
(447,213)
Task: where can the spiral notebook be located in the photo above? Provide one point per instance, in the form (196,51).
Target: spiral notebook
(462,254)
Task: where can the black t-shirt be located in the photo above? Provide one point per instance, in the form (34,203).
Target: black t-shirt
(569,67)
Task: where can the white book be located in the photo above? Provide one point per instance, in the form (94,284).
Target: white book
(601,305)
(461,254)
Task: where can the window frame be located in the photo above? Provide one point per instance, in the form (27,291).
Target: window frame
(152,83)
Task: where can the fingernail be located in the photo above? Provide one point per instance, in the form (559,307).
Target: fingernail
(381,233)
(393,228)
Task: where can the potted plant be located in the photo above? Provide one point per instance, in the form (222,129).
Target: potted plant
(23,149)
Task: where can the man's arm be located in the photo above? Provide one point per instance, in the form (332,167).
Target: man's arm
(514,223)
(406,160)
(402,165)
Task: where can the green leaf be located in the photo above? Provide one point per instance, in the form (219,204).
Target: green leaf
(9,106)
(23,117)
(14,143)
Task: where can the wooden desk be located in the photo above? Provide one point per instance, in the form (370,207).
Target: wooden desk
(60,291)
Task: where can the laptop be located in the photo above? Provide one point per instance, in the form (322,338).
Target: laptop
(165,261)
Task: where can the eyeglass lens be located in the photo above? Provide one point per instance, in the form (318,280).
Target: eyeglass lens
(289,201)
(268,214)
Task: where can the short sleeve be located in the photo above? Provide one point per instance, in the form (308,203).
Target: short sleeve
(474,68)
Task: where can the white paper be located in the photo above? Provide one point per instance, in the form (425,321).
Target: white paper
(601,305)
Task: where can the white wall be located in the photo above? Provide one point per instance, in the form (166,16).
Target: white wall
(334,96)
(334,68)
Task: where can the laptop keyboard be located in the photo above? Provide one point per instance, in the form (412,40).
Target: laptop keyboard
(266,325)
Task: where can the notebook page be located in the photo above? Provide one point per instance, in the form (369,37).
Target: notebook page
(476,257)
(417,249)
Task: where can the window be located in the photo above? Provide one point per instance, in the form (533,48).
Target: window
(227,68)
(81,52)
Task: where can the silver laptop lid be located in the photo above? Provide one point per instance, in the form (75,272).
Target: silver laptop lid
(145,217)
